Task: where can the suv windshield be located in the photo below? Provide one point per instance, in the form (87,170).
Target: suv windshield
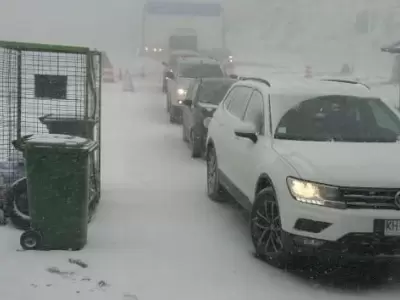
(340,118)
(200,70)
(213,92)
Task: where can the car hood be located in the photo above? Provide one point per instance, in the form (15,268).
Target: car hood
(344,164)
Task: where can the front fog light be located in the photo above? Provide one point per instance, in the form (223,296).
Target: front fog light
(299,240)
(315,193)
(181,92)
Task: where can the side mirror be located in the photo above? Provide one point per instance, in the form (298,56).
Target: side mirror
(233,76)
(247,131)
(170,75)
(206,122)
(187,102)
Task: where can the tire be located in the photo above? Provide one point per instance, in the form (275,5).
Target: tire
(31,240)
(215,191)
(3,219)
(168,108)
(268,243)
(184,136)
(172,119)
(18,205)
(195,146)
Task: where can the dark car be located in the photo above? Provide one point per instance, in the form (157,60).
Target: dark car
(224,56)
(171,65)
(203,98)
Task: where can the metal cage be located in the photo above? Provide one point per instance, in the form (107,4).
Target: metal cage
(48,89)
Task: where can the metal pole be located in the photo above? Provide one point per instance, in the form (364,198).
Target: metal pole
(99,125)
(19,93)
(223,28)
(399,94)
(143,33)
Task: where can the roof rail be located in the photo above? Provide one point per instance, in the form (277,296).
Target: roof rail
(256,79)
(347,81)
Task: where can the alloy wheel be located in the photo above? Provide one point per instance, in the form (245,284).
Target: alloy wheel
(266,229)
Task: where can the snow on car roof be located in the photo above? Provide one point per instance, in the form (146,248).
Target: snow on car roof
(301,86)
(217,79)
(286,94)
(183,52)
(198,60)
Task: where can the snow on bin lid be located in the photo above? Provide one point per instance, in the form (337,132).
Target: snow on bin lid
(57,139)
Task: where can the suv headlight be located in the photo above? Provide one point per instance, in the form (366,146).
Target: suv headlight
(181,92)
(315,193)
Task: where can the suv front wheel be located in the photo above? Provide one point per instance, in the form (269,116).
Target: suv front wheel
(266,229)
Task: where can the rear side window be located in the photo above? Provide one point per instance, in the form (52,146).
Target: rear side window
(255,111)
(237,105)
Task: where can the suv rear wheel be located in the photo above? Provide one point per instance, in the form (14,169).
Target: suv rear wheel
(215,190)
(266,229)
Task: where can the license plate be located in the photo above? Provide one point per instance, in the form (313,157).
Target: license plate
(392,227)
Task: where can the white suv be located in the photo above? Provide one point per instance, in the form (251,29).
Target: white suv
(315,162)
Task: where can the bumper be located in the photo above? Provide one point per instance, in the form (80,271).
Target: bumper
(346,233)
(330,224)
(350,248)
(176,111)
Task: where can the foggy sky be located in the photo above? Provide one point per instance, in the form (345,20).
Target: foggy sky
(114,25)
(96,23)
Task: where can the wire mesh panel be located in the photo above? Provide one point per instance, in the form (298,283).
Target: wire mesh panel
(11,161)
(48,89)
(51,84)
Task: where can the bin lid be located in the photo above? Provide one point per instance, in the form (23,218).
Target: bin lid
(64,118)
(60,140)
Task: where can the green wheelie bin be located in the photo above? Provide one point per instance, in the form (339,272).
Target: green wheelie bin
(58,179)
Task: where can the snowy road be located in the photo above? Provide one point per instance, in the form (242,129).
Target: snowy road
(156,235)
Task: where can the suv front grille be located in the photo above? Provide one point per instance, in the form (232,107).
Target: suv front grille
(369,198)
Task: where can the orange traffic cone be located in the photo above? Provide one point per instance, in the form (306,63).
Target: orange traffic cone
(127,85)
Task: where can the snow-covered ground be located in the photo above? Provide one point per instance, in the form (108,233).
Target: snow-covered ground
(156,235)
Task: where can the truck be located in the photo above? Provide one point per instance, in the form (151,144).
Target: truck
(169,26)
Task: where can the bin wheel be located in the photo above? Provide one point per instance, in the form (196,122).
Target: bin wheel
(30,240)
